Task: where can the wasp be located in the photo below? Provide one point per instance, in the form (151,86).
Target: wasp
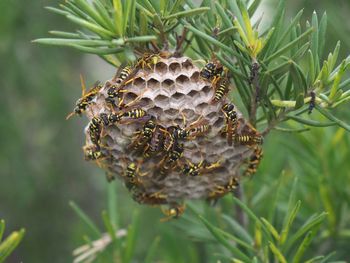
(254,161)
(221,90)
(95,130)
(134,114)
(147,60)
(175,133)
(133,175)
(248,139)
(86,99)
(191,169)
(145,135)
(248,136)
(123,77)
(170,160)
(221,190)
(312,102)
(156,198)
(212,71)
(231,121)
(174,211)
(156,143)
(92,153)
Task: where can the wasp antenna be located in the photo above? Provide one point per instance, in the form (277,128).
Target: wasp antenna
(83,86)
(70,115)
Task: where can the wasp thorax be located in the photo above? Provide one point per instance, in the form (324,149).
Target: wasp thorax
(162,133)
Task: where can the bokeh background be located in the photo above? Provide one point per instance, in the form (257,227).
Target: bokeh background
(42,167)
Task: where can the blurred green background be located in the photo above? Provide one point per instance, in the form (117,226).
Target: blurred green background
(42,167)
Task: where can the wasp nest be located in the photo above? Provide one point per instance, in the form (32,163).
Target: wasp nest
(158,127)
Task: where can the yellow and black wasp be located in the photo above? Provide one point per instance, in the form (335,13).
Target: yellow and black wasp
(132,175)
(254,161)
(221,90)
(145,135)
(86,99)
(171,158)
(231,121)
(174,211)
(212,71)
(247,139)
(157,198)
(248,136)
(155,144)
(115,91)
(95,130)
(221,190)
(92,153)
(147,60)
(175,133)
(203,166)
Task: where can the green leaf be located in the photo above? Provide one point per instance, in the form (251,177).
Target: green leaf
(322,34)
(277,253)
(118,16)
(280,68)
(238,229)
(314,37)
(208,38)
(132,237)
(316,259)
(103,12)
(69,42)
(2,228)
(112,203)
(331,117)
(253,7)
(222,240)
(271,228)
(176,6)
(310,225)
(312,73)
(223,14)
(89,10)
(110,229)
(291,212)
(187,13)
(98,51)
(93,228)
(334,56)
(282,129)
(232,4)
(10,243)
(140,39)
(152,250)
(64,34)
(149,6)
(289,28)
(289,46)
(337,80)
(303,246)
(311,122)
(289,219)
(57,10)
(91,26)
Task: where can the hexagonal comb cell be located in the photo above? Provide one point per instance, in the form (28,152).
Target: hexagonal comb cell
(169,94)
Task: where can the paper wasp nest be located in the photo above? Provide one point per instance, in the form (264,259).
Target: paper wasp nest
(173,93)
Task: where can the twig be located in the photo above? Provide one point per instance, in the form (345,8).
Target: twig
(254,81)
(179,42)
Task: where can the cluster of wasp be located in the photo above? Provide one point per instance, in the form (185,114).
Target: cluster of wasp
(165,144)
